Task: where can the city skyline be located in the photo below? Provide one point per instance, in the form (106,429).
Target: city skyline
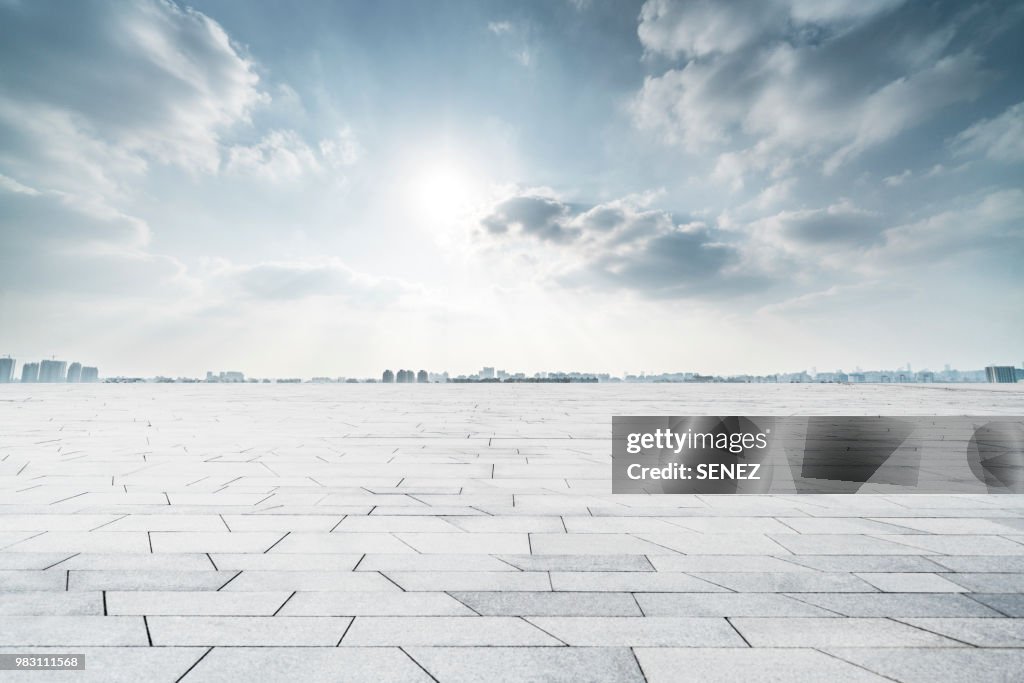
(56,371)
(735,187)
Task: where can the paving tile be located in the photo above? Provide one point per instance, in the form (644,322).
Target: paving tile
(214,542)
(579,563)
(911,582)
(594,544)
(641,631)
(631,581)
(990,583)
(24,580)
(898,604)
(726,605)
(241,631)
(835,544)
(716,544)
(823,633)
(309,581)
(870,563)
(136,561)
(418,604)
(787,582)
(725,563)
(350,543)
(283,561)
(527,604)
(458,543)
(471,581)
(1001,632)
(71,630)
(285,665)
(516,664)
(727,665)
(413,562)
(445,631)
(1010,604)
(930,665)
(960,545)
(199,603)
(119,664)
(146,580)
(53,603)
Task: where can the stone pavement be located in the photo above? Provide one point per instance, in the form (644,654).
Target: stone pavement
(468,533)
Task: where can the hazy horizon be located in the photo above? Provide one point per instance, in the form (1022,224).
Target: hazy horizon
(329,189)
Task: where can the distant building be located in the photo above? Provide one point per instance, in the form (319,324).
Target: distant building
(422,377)
(487,373)
(53,371)
(30,372)
(1001,374)
(388,377)
(90,374)
(6,370)
(75,372)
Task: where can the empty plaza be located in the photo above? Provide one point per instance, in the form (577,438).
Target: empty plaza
(469,533)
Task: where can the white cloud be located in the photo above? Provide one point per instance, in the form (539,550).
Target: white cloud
(770,84)
(1000,138)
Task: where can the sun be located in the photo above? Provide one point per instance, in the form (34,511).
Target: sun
(443,191)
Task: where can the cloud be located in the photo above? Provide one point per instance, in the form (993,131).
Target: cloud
(57,243)
(620,244)
(282,155)
(840,225)
(1000,138)
(989,224)
(146,82)
(541,217)
(291,280)
(765,85)
(499,27)
(702,27)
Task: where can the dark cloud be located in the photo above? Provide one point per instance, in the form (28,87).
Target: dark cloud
(540,217)
(622,245)
(837,225)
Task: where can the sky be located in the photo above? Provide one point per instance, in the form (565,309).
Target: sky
(335,188)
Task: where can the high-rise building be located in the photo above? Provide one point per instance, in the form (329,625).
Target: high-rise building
(75,372)
(30,372)
(1001,374)
(487,373)
(388,377)
(90,374)
(422,377)
(6,370)
(53,371)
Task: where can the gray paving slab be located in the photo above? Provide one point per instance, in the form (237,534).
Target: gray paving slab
(241,631)
(418,604)
(824,632)
(727,605)
(441,631)
(641,631)
(532,664)
(727,665)
(899,604)
(1000,632)
(922,665)
(200,603)
(117,664)
(528,604)
(285,665)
